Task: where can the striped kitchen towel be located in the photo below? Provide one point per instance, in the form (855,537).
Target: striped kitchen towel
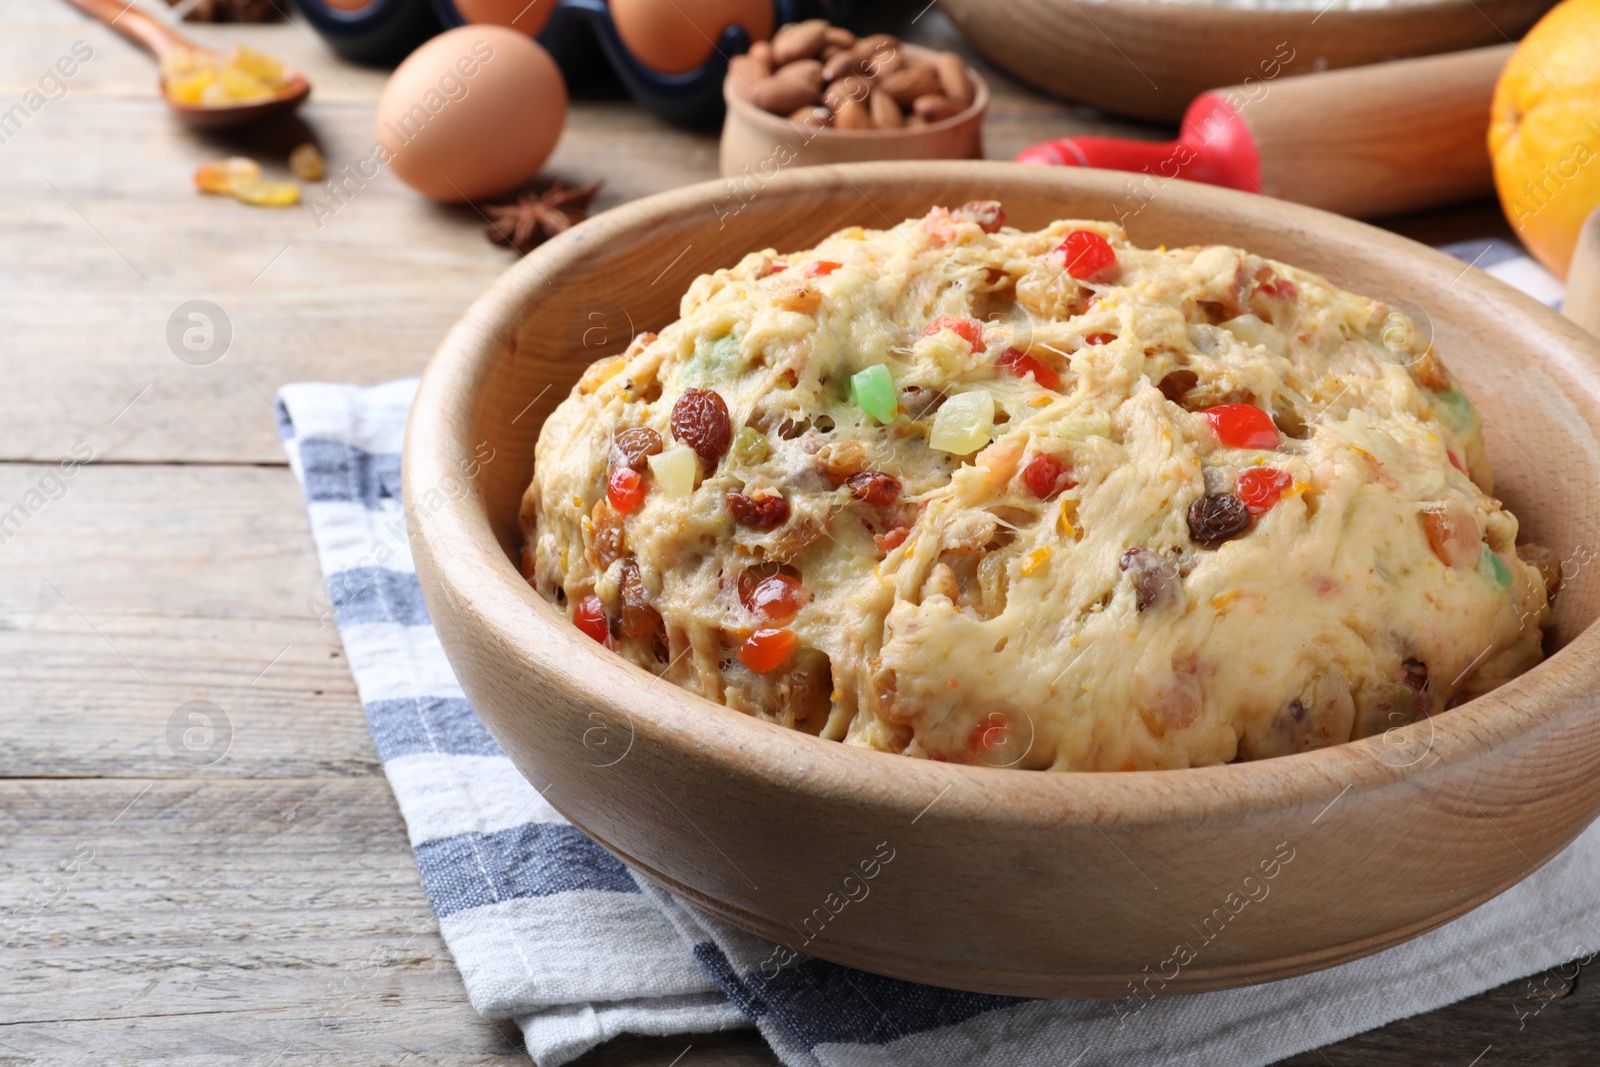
(550,930)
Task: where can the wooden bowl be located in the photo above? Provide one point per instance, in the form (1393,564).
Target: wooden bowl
(1149,58)
(990,879)
(757,143)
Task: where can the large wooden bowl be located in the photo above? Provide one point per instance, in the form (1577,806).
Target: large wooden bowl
(1149,58)
(1009,880)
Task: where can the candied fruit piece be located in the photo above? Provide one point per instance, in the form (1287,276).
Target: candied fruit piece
(307,163)
(221,175)
(267,193)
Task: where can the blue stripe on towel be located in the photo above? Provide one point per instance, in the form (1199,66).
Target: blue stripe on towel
(340,473)
(373,594)
(531,860)
(823,1003)
(421,725)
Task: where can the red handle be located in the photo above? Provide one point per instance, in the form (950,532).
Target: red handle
(1214,145)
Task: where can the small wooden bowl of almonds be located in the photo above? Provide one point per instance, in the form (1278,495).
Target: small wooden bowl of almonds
(817,93)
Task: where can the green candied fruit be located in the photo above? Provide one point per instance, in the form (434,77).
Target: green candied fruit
(750,447)
(1496,566)
(711,361)
(873,392)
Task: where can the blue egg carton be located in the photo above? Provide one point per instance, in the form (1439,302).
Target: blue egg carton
(577,34)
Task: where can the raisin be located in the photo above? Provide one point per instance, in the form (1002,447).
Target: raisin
(1178,383)
(608,535)
(1414,673)
(1216,517)
(634,445)
(874,487)
(841,460)
(760,512)
(1156,582)
(700,420)
(639,619)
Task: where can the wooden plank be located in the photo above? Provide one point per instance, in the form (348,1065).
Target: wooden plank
(145,587)
(137,912)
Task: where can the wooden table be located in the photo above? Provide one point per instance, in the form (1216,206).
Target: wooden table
(265,908)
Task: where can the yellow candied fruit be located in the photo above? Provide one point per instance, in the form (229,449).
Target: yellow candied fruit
(257,64)
(203,78)
(307,163)
(220,175)
(238,85)
(1036,559)
(187,88)
(1042,401)
(267,193)
(1069,510)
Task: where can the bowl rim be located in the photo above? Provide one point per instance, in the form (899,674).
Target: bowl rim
(1273,19)
(465,555)
(781,126)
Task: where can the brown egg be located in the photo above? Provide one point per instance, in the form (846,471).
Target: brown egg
(674,38)
(529,17)
(474,112)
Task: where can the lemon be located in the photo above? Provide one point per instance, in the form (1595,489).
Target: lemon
(1544,131)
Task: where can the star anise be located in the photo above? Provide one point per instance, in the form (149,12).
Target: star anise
(537,217)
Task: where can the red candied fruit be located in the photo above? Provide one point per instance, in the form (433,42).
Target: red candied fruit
(1020,364)
(1085,254)
(776,599)
(1279,287)
(1455,460)
(1099,338)
(1046,478)
(1262,487)
(989,733)
(767,649)
(590,617)
(988,214)
(625,489)
(1242,426)
(822,268)
(891,538)
(969,330)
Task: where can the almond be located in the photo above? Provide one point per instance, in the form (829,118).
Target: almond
(910,82)
(746,71)
(838,37)
(853,115)
(883,54)
(933,107)
(870,56)
(792,87)
(799,40)
(849,87)
(954,81)
(885,112)
(812,117)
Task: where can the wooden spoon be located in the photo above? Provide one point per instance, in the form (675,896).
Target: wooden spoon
(1582,303)
(162,41)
